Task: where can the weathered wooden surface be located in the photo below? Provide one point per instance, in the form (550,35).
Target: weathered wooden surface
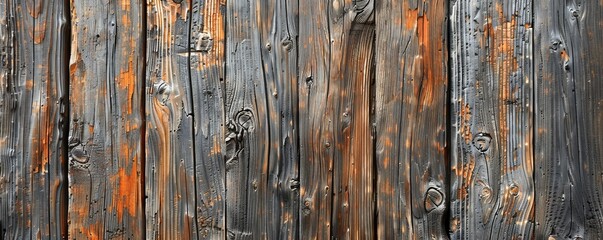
(568,119)
(34,90)
(492,193)
(318,119)
(411,87)
(105,132)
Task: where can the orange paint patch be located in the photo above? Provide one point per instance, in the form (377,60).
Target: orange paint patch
(128,193)
(410,16)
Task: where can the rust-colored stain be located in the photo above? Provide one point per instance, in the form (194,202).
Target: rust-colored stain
(128,191)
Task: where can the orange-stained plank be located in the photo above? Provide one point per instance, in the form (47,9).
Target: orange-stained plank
(105,138)
(410,117)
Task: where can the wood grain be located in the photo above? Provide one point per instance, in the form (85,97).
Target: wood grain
(247,122)
(105,155)
(33,85)
(353,176)
(278,26)
(492,158)
(170,174)
(568,119)
(207,58)
(316,135)
(411,91)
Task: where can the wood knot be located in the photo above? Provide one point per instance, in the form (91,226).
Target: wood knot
(486,195)
(433,199)
(287,44)
(481,142)
(245,119)
(514,190)
(204,42)
(79,155)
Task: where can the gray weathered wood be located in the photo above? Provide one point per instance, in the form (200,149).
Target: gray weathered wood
(105,156)
(278,21)
(492,159)
(247,122)
(171,201)
(569,119)
(33,81)
(207,58)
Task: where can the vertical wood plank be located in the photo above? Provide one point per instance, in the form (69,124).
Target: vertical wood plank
(248,124)
(394,219)
(411,88)
(569,120)
(354,178)
(278,26)
(34,92)
(170,183)
(492,76)
(315,121)
(207,58)
(106,73)
(8,121)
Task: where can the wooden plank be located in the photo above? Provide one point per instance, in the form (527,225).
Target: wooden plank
(247,123)
(170,183)
(261,116)
(315,121)
(411,87)
(569,120)
(277,28)
(33,83)
(492,193)
(105,155)
(8,121)
(207,58)
(353,176)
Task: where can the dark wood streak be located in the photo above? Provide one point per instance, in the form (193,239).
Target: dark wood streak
(316,140)
(105,122)
(278,28)
(492,158)
(569,120)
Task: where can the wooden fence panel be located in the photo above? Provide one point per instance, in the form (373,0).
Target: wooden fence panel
(492,158)
(411,80)
(278,119)
(105,156)
(569,120)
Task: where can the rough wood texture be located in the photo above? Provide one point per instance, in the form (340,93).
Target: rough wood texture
(569,119)
(105,156)
(248,125)
(278,21)
(185,168)
(315,121)
(353,176)
(492,75)
(289,119)
(33,81)
(207,58)
(411,87)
